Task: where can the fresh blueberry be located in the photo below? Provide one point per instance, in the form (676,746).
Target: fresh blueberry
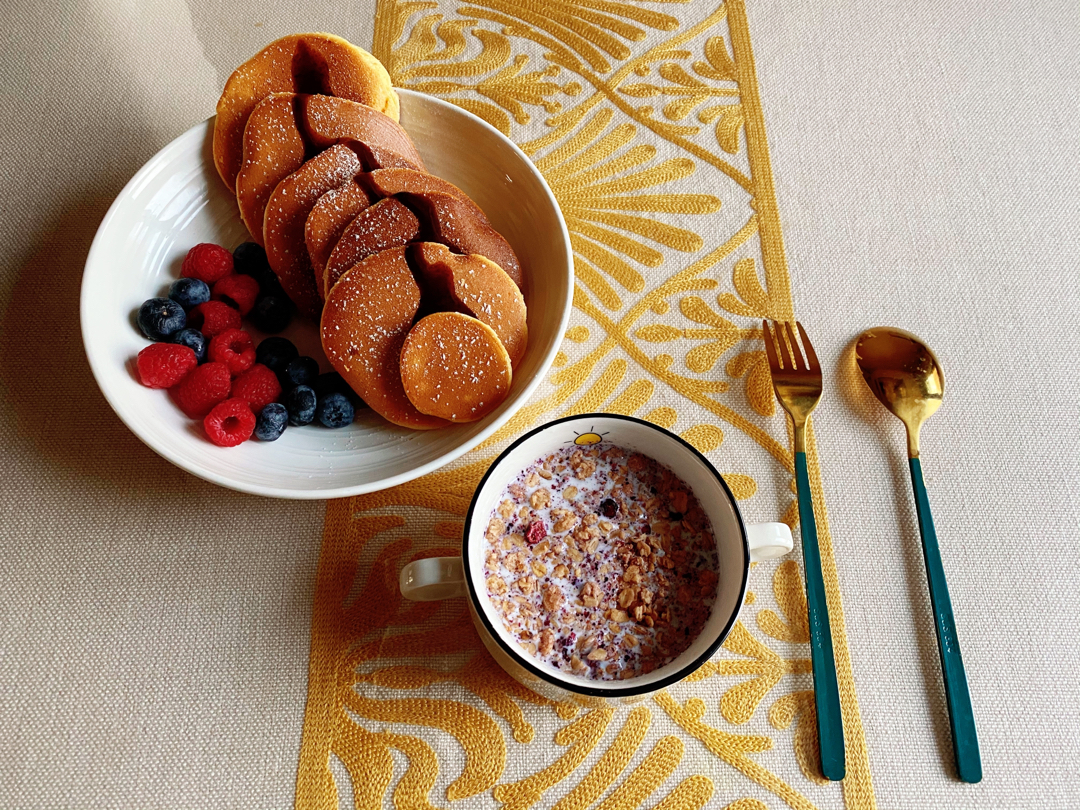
(329,383)
(301,371)
(194,340)
(276,353)
(335,410)
(300,403)
(160,317)
(271,314)
(271,422)
(249,259)
(332,383)
(189,292)
(272,287)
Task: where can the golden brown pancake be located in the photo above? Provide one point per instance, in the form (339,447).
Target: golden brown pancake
(374,157)
(455,367)
(456,224)
(388,182)
(325,120)
(387,224)
(301,63)
(365,320)
(476,286)
(287,213)
(286,127)
(329,219)
(273,149)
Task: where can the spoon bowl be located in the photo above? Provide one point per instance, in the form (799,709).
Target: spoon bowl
(904,375)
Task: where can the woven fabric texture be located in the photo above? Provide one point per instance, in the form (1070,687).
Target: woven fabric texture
(155,630)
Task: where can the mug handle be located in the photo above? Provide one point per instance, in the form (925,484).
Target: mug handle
(435,578)
(432,579)
(767,541)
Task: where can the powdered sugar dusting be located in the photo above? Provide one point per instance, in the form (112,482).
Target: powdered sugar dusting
(455,367)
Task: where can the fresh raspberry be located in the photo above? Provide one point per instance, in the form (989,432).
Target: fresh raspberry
(258,386)
(202,389)
(207,262)
(163,365)
(237,291)
(536,532)
(234,348)
(213,318)
(230,423)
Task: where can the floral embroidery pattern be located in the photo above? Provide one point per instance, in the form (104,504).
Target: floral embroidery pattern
(645,121)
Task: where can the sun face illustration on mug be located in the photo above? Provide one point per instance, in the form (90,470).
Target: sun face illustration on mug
(586,439)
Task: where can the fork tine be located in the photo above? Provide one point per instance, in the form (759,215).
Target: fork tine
(770,349)
(811,357)
(799,361)
(785,355)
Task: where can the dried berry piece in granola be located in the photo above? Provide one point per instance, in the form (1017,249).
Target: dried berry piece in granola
(536,532)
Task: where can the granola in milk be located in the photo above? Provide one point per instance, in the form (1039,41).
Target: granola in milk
(602,562)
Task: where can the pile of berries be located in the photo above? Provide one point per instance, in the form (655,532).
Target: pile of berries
(210,365)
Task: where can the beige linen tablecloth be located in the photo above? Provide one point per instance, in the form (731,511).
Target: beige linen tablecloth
(155,630)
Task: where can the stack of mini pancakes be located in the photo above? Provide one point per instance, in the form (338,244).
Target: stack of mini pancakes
(418,296)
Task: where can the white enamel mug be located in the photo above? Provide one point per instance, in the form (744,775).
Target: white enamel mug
(737,545)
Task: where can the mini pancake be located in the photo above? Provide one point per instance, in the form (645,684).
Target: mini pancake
(287,213)
(388,182)
(365,320)
(455,224)
(325,120)
(374,157)
(476,286)
(301,63)
(387,224)
(329,218)
(455,367)
(273,149)
(287,127)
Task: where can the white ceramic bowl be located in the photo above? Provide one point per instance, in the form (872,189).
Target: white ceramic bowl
(177,200)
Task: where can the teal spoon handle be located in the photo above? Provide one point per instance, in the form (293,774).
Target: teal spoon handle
(961,717)
(826,692)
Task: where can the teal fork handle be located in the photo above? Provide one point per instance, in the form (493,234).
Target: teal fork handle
(826,692)
(961,717)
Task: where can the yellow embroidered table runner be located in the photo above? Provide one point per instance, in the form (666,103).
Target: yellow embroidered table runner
(646,122)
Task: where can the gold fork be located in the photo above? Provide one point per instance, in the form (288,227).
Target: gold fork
(797,383)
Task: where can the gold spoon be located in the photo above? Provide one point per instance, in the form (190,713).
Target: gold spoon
(906,377)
